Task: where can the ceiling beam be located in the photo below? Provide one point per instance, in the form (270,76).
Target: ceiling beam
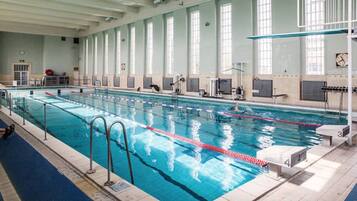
(63,7)
(134,2)
(105,5)
(37,29)
(46,18)
(49,12)
(41,22)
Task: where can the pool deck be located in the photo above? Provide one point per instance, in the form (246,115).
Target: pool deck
(7,190)
(73,164)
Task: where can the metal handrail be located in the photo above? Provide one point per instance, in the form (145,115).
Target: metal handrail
(109,158)
(45,119)
(126,147)
(7,98)
(10,103)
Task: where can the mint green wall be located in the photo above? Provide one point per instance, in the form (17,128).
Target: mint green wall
(286,52)
(140,48)
(10,46)
(41,51)
(159,42)
(208,35)
(60,56)
(242,26)
(180,42)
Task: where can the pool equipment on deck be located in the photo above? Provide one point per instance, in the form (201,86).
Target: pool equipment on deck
(282,156)
(177,84)
(238,92)
(213,88)
(337,89)
(327,132)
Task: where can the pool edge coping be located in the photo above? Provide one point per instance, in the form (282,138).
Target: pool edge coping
(80,162)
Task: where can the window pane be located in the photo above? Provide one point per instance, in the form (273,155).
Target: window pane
(149,47)
(86,57)
(95,72)
(169,45)
(314,45)
(106,54)
(118,53)
(264,23)
(195,42)
(132,50)
(226,38)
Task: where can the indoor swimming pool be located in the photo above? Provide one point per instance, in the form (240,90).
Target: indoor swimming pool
(181,148)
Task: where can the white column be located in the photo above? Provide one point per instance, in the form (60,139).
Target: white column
(349,48)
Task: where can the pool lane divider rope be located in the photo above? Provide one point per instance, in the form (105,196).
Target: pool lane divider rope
(232,154)
(196,143)
(228,114)
(271,119)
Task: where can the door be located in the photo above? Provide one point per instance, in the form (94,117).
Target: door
(21,74)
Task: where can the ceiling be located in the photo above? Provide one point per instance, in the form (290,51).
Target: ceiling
(69,16)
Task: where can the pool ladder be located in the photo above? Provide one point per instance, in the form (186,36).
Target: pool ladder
(109,154)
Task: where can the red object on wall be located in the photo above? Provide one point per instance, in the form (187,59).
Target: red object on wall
(49,72)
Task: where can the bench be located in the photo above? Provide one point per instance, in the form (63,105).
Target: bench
(328,132)
(279,156)
(275,96)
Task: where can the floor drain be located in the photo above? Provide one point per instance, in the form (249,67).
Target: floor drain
(120,186)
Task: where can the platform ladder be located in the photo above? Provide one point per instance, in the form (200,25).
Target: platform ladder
(110,167)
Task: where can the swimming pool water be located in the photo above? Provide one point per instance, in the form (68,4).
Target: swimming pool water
(166,168)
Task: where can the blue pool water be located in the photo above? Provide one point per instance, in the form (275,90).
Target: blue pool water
(166,168)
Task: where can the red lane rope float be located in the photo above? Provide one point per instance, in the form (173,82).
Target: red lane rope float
(49,94)
(229,153)
(271,119)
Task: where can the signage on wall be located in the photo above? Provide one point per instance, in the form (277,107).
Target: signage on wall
(341,60)
(122,67)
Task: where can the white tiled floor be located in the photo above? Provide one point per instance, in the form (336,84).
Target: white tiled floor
(330,178)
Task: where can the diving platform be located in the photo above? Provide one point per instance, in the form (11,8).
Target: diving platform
(301,34)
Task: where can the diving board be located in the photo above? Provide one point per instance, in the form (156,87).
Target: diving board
(301,34)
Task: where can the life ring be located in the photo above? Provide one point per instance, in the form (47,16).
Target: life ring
(49,72)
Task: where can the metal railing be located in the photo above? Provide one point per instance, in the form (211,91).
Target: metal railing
(45,119)
(7,96)
(109,155)
(126,147)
